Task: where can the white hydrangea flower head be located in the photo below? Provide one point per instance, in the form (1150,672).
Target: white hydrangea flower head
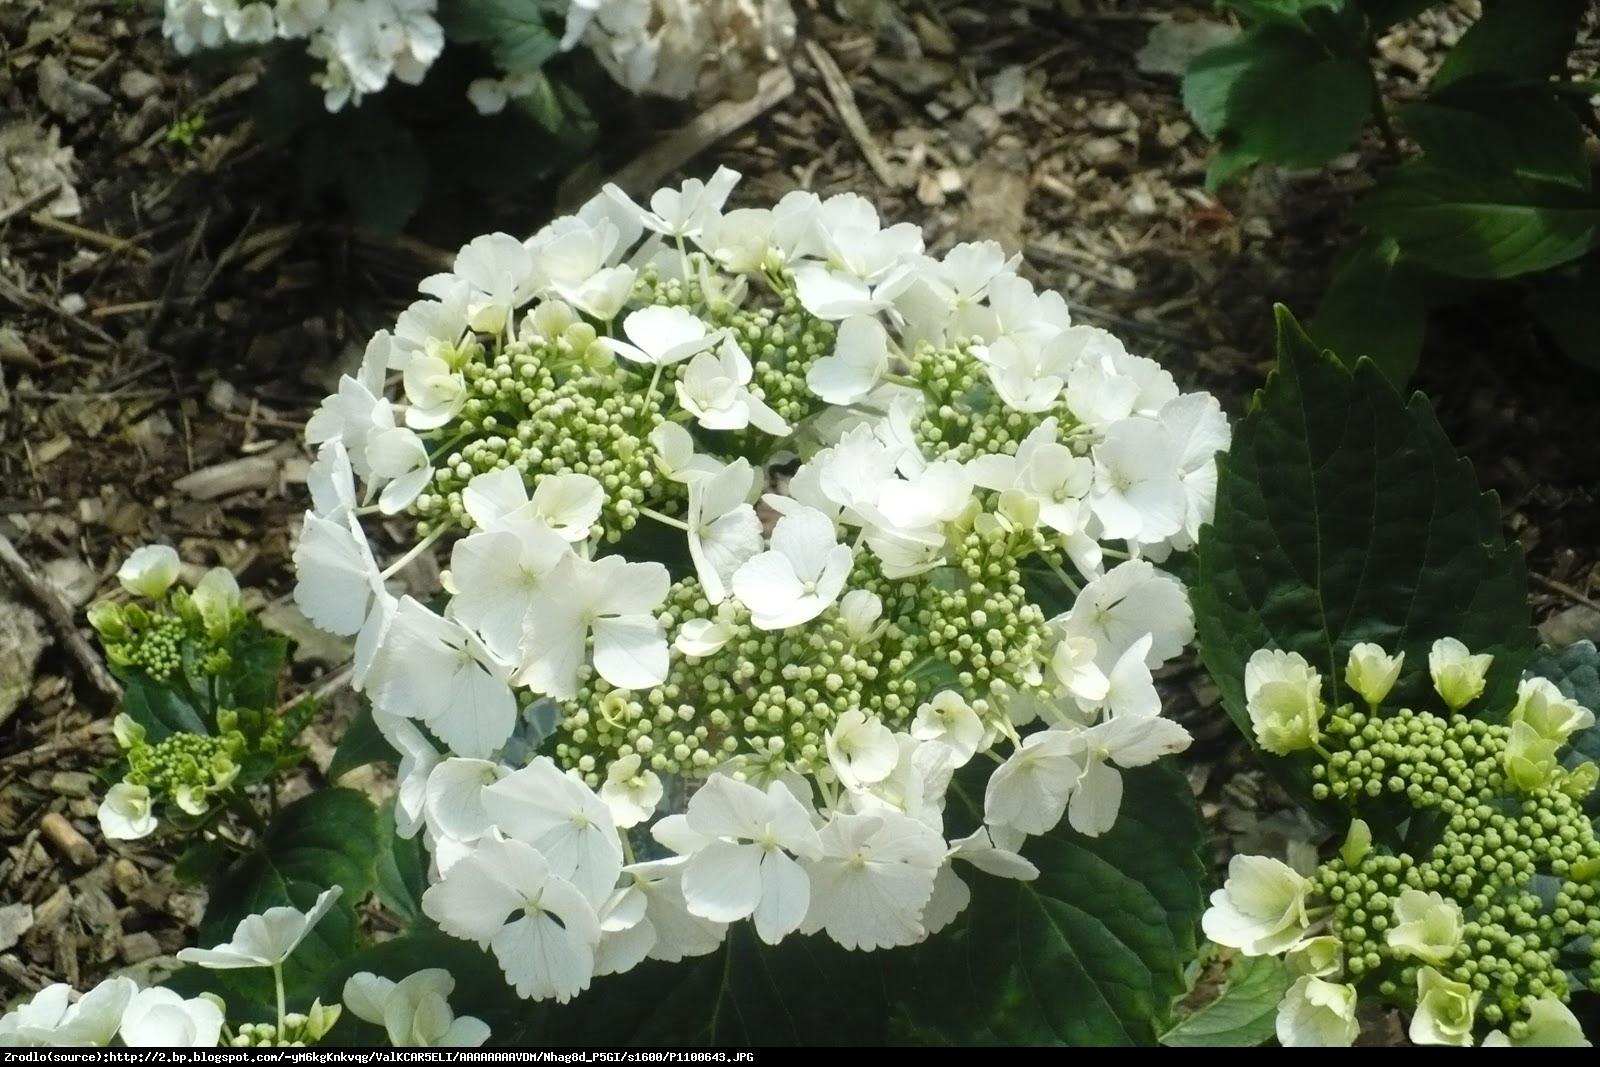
(746,510)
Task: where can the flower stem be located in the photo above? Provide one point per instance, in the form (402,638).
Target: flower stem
(277,979)
(416,550)
(677,524)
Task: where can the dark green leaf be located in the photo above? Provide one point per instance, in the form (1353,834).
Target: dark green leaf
(200,861)
(158,709)
(361,744)
(518,33)
(402,869)
(1481,129)
(1244,1015)
(329,838)
(1564,304)
(1515,38)
(1091,954)
(806,991)
(252,679)
(1343,515)
(1279,95)
(1373,307)
(1481,229)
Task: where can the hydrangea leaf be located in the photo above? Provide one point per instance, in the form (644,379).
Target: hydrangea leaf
(1343,515)
(1090,954)
(517,32)
(251,680)
(158,708)
(325,839)
(1482,228)
(1518,40)
(362,743)
(401,868)
(804,991)
(1244,1014)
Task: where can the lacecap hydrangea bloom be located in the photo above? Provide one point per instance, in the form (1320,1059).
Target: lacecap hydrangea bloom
(752,517)
(1482,926)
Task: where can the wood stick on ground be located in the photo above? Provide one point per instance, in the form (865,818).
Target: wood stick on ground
(60,620)
(645,172)
(1565,590)
(844,100)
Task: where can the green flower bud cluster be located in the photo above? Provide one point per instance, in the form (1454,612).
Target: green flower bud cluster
(962,420)
(154,640)
(782,345)
(1520,865)
(535,407)
(186,769)
(771,697)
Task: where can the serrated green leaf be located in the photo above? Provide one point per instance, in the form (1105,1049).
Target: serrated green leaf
(1277,94)
(1485,228)
(200,861)
(1343,515)
(1091,954)
(328,838)
(1373,307)
(362,743)
(158,709)
(251,681)
(1515,38)
(517,33)
(1246,1012)
(1482,129)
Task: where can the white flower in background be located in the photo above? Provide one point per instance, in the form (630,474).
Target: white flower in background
(150,571)
(415,1011)
(1318,1014)
(50,1019)
(264,940)
(1445,1011)
(1283,696)
(542,929)
(127,813)
(1261,909)
(160,1018)
(1458,675)
(1425,926)
(801,573)
(1372,672)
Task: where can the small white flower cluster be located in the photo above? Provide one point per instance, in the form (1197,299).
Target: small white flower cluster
(680,48)
(361,43)
(767,728)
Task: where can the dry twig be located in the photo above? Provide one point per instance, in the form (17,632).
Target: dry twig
(60,620)
(844,101)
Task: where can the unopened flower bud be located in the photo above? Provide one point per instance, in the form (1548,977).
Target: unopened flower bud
(149,571)
(1458,675)
(1372,672)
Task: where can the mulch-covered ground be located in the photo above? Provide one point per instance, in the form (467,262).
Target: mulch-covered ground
(162,345)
